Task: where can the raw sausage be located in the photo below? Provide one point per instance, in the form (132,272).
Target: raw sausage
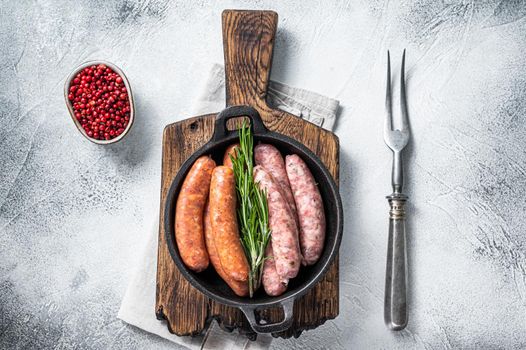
(189,214)
(231,150)
(240,288)
(309,203)
(272,161)
(285,243)
(273,284)
(223,221)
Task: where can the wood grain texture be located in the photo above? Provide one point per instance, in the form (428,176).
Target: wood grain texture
(248,42)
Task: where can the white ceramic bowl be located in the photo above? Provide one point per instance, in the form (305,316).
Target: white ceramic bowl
(70,105)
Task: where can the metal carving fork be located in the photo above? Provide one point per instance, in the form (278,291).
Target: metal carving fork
(395,307)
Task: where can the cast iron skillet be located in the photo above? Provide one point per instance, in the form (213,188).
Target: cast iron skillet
(208,282)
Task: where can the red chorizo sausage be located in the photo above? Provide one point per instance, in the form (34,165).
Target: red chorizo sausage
(223,220)
(272,161)
(285,243)
(309,203)
(230,151)
(239,288)
(189,214)
(273,284)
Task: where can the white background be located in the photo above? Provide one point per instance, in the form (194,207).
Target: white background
(73,214)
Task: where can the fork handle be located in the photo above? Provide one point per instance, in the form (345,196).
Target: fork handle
(395,307)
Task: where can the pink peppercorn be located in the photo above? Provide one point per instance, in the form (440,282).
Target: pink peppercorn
(99,103)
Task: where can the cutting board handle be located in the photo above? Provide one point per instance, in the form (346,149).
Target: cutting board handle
(248,41)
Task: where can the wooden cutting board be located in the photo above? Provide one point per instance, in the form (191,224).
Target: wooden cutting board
(248,39)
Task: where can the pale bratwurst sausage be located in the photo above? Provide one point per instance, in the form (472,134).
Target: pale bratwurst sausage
(273,284)
(223,221)
(272,161)
(189,214)
(309,203)
(285,243)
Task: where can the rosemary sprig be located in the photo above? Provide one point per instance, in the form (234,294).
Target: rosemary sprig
(252,209)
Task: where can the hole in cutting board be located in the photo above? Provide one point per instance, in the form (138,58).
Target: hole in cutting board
(235,123)
(194,125)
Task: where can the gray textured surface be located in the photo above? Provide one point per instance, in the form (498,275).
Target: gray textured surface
(73,214)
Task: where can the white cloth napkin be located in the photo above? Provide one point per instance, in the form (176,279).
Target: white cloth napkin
(138,304)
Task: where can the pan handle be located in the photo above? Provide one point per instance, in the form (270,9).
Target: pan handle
(220,130)
(288,310)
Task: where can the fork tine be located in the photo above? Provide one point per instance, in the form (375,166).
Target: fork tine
(403,100)
(388,103)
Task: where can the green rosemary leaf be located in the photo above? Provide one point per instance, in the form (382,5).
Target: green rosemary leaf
(252,210)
